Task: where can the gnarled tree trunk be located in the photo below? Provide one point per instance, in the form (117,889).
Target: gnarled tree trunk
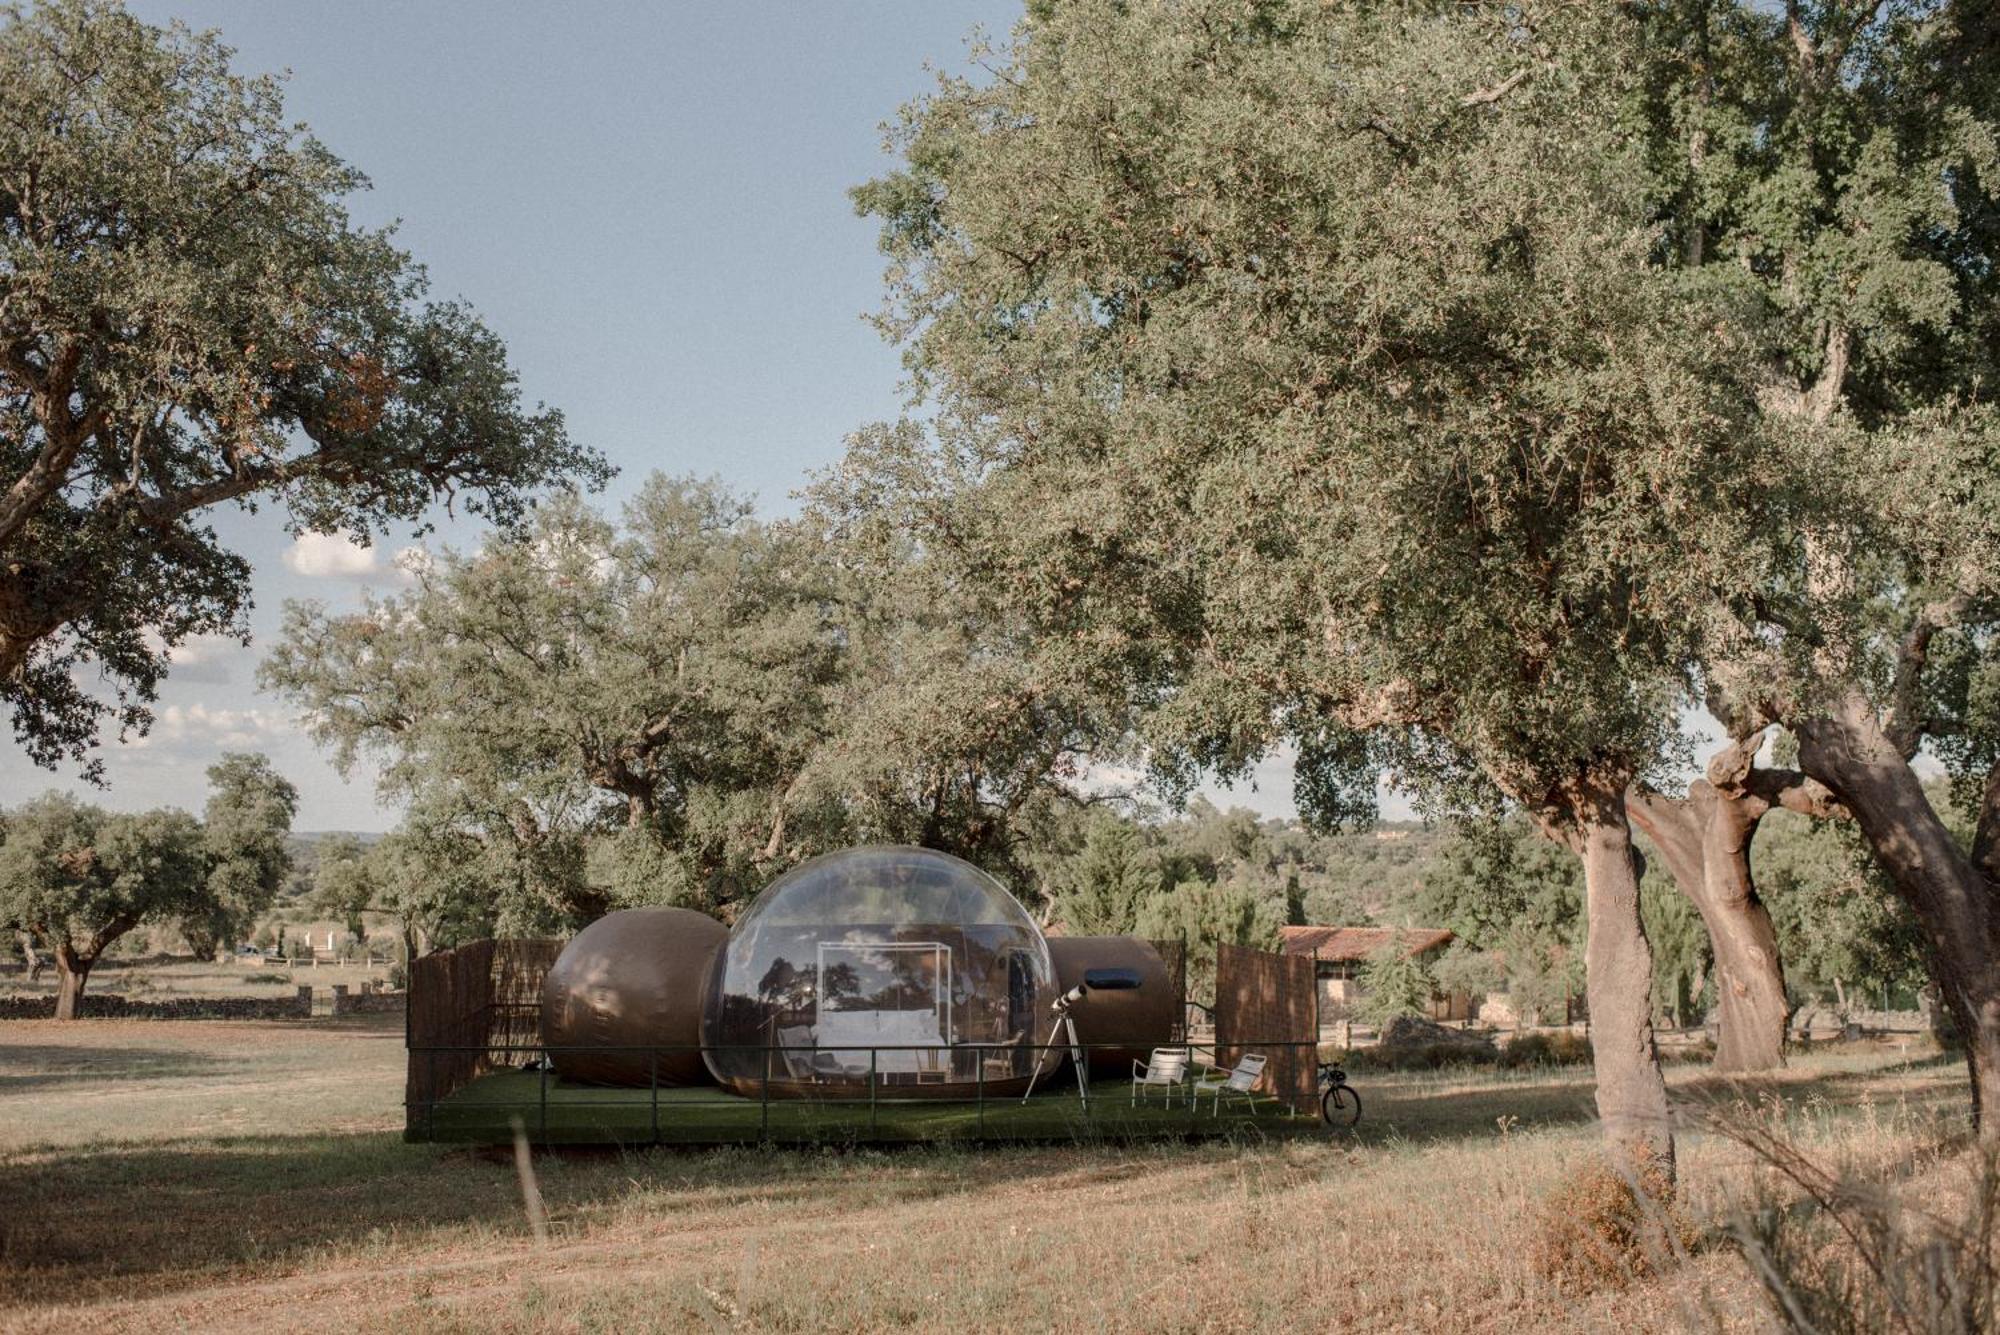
(1618,983)
(72,972)
(1705,838)
(1849,750)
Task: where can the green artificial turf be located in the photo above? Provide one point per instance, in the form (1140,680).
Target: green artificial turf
(566,1114)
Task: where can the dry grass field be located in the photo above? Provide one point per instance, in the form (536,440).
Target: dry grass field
(156,978)
(213,1175)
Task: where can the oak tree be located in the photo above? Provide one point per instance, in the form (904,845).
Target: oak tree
(1305,368)
(189,319)
(1827,171)
(78,878)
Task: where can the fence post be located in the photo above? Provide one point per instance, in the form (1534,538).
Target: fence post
(871,1091)
(543,1130)
(979,1055)
(764,1126)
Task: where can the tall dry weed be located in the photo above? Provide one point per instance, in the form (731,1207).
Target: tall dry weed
(1839,1249)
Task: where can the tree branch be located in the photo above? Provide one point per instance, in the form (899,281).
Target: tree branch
(1794,791)
(1672,824)
(62,435)
(1986,833)
(1488,96)
(1905,723)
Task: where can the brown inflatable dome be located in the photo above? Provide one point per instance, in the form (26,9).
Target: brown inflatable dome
(1137,1019)
(631,980)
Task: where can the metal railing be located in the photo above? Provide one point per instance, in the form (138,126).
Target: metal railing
(774,1103)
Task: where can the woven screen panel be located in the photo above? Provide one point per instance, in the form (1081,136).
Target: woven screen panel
(451,996)
(514,1020)
(472,1009)
(1174,955)
(1266,1003)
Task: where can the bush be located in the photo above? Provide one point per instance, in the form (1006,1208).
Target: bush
(259,979)
(399,975)
(1608,1225)
(1560,1048)
(1699,1051)
(1418,1056)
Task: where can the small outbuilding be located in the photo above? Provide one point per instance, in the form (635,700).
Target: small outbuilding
(1340,954)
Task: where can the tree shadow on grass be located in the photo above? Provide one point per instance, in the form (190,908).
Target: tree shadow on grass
(35,1066)
(105,1223)
(99,1223)
(1404,1113)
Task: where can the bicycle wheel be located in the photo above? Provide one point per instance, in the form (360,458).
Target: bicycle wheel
(1340,1106)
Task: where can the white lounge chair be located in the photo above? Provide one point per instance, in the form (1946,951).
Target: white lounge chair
(1243,1080)
(1166,1070)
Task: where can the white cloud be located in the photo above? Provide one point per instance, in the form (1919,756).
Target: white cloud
(196,726)
(340,555)
(203,658)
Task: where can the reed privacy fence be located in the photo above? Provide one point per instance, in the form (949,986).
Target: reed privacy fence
(1270,1003)
(471,1010)
(477,1063)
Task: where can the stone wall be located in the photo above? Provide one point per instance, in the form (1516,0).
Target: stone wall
(110,1006)
(366,1003)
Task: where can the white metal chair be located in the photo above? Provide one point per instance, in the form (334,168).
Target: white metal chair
(1243,1080)
(1166,1070)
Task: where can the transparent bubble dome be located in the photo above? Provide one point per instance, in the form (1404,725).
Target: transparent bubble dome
(904,965)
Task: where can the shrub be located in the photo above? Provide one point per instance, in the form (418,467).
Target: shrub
(1419,1056)
(399,975)
(1473,972)
(1560,1048)
(1699,1051)
(259,979)
(1608,1225)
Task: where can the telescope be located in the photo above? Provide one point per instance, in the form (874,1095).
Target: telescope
(1064,1023)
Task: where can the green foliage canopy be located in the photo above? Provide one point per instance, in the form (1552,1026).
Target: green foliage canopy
(674,708)
(1395,983)
(188,319)
(244,828)
(1103,889)
(1303,367)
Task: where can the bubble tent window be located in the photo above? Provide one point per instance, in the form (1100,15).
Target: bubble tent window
(912,956)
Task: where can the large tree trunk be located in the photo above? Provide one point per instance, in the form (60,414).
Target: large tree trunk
(1749,978)
(1618,962)
(72,972)
(1850,751)
(1705,839)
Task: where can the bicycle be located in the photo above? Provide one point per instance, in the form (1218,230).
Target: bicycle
(1339,1105)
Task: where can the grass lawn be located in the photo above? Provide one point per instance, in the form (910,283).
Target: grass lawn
(215,1175)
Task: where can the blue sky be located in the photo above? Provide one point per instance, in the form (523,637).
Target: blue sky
(648,202)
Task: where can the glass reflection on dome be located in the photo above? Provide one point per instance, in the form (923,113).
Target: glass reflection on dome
(909,956)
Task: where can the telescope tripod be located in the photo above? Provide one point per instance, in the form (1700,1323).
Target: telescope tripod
(1064,1024)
